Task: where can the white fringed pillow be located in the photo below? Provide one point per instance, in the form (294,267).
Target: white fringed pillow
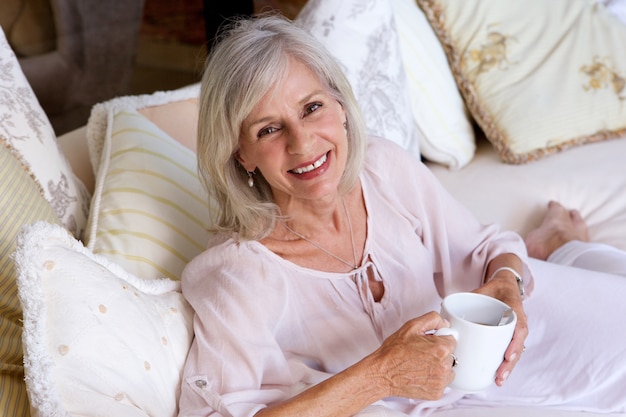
(538,76)
(97,340)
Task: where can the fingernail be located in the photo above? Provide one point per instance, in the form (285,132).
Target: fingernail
(513,356)
(506,376)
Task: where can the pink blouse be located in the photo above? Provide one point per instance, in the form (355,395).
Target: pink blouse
(266,328)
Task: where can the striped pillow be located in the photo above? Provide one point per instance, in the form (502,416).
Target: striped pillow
(149,212)
(21,202)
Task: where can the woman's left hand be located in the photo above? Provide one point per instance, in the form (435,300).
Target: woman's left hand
(504,287)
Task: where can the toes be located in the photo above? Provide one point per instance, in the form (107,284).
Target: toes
(580,227)
(555,205)
(556,209)
(575,216)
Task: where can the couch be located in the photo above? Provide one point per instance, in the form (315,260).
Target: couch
(73,53)
(98,223)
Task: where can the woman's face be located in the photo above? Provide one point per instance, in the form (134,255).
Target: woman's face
(296,137)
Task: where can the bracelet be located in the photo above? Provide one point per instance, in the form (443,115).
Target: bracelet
(518,278)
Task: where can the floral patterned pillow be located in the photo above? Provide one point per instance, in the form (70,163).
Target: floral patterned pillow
(538,76)
(446,131)
(362,36)
(27,130)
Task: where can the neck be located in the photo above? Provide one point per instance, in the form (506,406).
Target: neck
(313,218)
(352,263)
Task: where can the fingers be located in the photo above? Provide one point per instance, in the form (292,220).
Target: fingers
(428,322)
(514,352)
(510,296)
(416,363)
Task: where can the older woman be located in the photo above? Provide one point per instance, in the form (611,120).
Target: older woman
(331,251)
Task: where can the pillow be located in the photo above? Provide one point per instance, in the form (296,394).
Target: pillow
(97,340)
(617,8)
(363,38)
(25,126)
(157,107)
(149,212)
(538,76)
(21,202)
(446,132)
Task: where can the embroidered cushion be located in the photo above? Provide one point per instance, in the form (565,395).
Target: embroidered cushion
(363,38)
(538,76)
(447,135)
(25,126)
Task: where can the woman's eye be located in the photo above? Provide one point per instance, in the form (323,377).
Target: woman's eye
(312,107)
(266,131)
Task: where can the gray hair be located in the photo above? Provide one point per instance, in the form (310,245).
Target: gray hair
(249,59)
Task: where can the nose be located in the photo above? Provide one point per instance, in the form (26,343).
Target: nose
(299,138)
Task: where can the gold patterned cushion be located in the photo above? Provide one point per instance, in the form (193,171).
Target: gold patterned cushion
(21,202)
(538,76)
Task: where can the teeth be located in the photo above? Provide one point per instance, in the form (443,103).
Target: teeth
(311,167)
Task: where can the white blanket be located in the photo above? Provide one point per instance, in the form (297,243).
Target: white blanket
(570,353)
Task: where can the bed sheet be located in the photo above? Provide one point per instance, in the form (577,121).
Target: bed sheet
(590,178)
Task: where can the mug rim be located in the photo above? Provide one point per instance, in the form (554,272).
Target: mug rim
(488,298)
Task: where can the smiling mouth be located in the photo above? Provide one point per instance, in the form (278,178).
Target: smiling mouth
(313,166)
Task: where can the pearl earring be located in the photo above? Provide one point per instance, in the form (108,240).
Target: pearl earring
(250,179)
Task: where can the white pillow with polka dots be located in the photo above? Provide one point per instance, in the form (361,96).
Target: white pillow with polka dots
(97,340)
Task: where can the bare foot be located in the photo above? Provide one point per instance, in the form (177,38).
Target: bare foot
(559,226)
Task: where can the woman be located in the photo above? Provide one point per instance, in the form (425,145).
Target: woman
(332,250)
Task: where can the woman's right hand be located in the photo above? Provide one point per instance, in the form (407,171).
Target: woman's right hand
(413,362)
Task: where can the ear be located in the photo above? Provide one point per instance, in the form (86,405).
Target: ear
(242,161)
(343,113)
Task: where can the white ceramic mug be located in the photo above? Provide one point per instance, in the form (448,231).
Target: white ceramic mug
(481,342)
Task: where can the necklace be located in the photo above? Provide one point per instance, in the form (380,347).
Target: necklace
(326,251)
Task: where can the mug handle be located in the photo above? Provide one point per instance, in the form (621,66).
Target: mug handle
(447,331)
